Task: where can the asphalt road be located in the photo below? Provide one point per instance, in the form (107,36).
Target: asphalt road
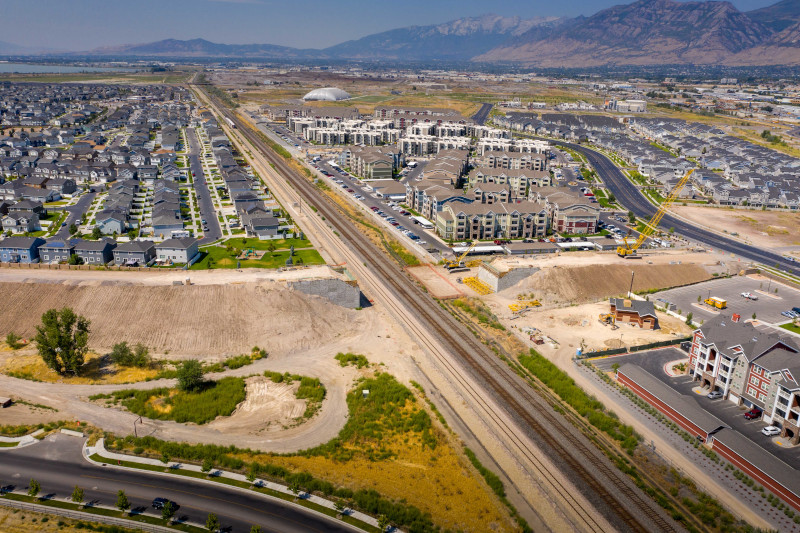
(75,213)
(204,202)
(57,464)
(482,114)
(629,196)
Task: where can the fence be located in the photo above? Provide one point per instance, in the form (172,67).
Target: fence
(632,349)
(48,266)
(87,517)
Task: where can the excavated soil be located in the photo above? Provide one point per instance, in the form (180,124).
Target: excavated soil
(564,285)
(195,320)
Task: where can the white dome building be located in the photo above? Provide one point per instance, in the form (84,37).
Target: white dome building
(328,94)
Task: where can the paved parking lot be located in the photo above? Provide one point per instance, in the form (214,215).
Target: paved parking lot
(768,307)
(653,361)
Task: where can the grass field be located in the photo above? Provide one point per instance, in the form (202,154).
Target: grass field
(389,448)
(104,77)
(792,327)
(216,398)
(218,257)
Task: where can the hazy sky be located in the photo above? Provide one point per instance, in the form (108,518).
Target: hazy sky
(87,24)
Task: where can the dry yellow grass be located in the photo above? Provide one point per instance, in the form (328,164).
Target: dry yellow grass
(28,364)
(436,481)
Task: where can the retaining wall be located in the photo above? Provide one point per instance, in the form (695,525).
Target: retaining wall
(343,293)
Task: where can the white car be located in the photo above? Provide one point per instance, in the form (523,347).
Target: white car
(771,431)
(749,296)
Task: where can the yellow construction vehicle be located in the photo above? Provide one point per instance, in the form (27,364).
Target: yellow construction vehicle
(458,263)
(628,250)
(524,304)
(609,319)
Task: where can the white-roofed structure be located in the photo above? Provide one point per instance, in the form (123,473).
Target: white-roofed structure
(327,94)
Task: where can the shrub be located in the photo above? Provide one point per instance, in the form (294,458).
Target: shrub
(123,355)
(12,339)
(357,360)
(190,375)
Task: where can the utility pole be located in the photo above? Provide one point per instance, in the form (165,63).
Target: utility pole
(630,291)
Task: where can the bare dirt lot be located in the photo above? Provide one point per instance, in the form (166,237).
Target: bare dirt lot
(438,281)
(197,320)
(566,284)
(769,229)
(267,405)
(579,326)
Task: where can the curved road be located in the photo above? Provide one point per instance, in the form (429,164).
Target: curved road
(57,463)
(630,197)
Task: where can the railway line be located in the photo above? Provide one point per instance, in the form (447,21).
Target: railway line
(619,502)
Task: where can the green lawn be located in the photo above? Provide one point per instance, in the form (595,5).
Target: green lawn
(224,259)
(792,328)
(280,244)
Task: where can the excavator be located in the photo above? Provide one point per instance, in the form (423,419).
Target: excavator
(628,250)
(458,263)
(608,319)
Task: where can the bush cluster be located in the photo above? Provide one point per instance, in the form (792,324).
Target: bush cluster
(212,400)
(357,360)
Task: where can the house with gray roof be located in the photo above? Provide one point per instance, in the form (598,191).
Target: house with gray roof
(20,249)
(177,250)
(134,253)
(98,252)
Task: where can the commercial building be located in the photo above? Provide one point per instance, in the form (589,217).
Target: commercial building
(639,312)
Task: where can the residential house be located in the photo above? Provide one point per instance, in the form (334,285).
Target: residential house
(134,253)
(20,249)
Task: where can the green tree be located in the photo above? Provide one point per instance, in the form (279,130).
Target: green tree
(255,529)
(168,511)
(631,217)
(270,246)
(190,375)
(96,233)
(212,522)
(339,506)
(122,501)
(73,229)
(77,494)
(383,522)
(62,340)
(133,233)
(75,259)
(208,464)
(12,339)
(689,319)
(33,488)
(165,458)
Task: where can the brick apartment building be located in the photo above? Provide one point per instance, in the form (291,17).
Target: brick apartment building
(750,368)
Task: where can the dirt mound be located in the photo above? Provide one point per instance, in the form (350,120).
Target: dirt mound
(197,320)
(589,283)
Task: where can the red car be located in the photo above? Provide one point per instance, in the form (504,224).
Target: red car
(753,414)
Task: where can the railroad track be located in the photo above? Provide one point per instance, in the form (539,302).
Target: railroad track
(584,461)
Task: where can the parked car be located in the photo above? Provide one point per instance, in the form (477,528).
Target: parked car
(713,395)
(771,431)
(749,296)
(753,414)
(159,504)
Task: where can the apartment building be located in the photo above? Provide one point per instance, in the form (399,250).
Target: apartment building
(750,368)
(519,180)
(371,163)
(512,160)
(569,213)
(497,220)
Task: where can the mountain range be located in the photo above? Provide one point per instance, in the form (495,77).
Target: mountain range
(645,32)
